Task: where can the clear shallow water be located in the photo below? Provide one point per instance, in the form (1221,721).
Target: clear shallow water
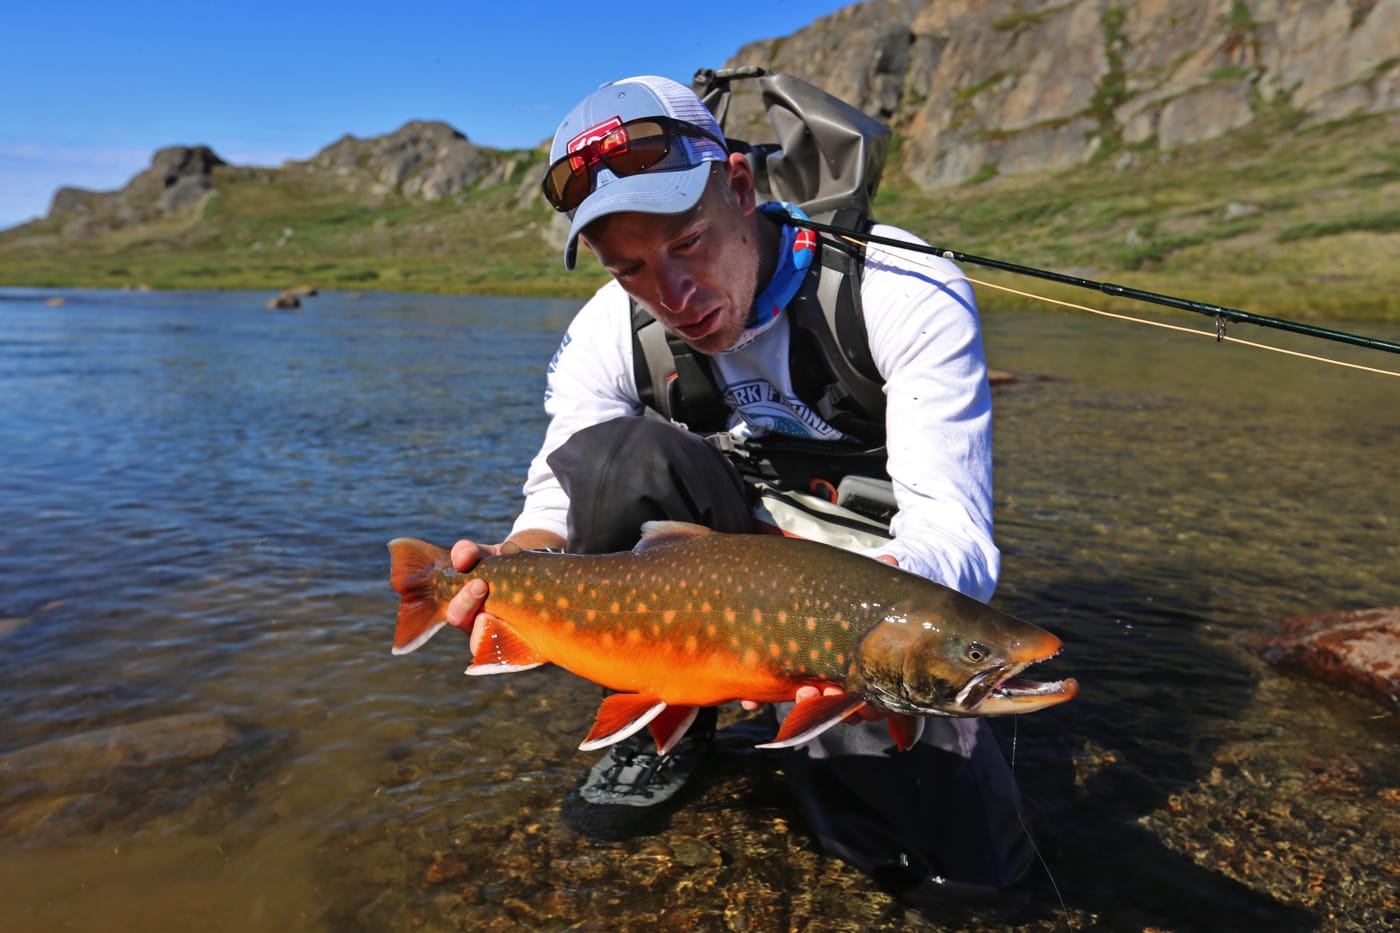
(194,500)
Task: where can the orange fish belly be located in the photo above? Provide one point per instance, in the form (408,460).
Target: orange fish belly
(674,646)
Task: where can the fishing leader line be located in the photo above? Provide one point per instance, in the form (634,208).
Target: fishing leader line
(1218,334)
(1021,816)
(1221,314)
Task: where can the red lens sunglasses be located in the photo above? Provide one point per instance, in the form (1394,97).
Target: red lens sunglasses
(628,149)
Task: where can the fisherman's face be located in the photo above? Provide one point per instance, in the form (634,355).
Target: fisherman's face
(696,272)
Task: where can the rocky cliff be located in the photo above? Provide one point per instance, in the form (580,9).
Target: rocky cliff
(976,87)
(973,88)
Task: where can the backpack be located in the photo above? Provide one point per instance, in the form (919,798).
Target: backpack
(827,158)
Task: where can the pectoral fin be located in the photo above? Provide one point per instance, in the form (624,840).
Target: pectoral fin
(905,730)
(620,716)
(811,717)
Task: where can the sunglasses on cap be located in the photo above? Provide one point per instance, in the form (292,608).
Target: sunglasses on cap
(629,148)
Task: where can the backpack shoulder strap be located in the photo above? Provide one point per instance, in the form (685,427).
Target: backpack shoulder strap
(672,379)
(840,378)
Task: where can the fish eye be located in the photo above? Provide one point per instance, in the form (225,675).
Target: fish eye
(976,652)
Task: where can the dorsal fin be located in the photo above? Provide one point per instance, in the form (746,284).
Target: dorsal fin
(654,533)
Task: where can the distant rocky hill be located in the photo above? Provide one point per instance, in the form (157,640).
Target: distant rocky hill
(424,159)
(177,181)
(973,88)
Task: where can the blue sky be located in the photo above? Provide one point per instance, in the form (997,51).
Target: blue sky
(88,90)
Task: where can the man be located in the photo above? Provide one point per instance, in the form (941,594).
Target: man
(642,169)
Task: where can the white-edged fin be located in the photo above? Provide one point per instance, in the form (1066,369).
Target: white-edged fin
(654,533)
(905,730)
(621,716)
(668,728)
(481,670)
(810,718)
(420,640)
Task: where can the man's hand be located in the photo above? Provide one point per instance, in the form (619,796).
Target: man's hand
(462,612)
(807,693)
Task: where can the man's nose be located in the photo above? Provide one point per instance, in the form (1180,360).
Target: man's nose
(674,287)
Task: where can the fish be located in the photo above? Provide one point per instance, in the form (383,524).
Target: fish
(692,618)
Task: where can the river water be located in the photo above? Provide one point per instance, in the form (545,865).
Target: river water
(204,728)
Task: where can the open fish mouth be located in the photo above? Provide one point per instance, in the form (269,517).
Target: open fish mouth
(1002,692)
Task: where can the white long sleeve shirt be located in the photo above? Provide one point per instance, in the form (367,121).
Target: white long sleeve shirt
(925,340)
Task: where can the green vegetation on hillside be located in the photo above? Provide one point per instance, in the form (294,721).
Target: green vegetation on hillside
(1273,219)
(1276,219)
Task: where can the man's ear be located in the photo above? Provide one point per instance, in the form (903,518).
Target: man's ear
(739,175)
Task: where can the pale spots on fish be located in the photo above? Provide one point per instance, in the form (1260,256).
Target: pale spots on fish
(750,657)
(669,616)
(634,637)
(691,645)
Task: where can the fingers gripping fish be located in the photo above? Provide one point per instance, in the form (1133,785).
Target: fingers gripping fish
(693,618)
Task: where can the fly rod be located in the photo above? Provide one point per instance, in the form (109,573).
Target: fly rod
(1220,314)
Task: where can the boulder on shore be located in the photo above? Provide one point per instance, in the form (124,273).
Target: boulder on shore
(1356,649)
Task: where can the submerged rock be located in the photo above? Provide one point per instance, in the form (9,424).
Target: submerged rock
(1356,649)
(81,782)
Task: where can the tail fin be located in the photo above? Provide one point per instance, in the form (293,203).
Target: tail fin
(421,573)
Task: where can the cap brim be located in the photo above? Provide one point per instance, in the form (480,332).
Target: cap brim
(647,193)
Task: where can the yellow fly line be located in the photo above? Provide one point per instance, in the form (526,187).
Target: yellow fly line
(1218,335)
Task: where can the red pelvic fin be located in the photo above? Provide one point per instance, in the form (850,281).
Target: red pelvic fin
(905,730)
(811,717)
(414,571)
(502,650)
(621,715)
(669,726)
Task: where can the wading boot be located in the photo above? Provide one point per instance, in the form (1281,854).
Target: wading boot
(632,789)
